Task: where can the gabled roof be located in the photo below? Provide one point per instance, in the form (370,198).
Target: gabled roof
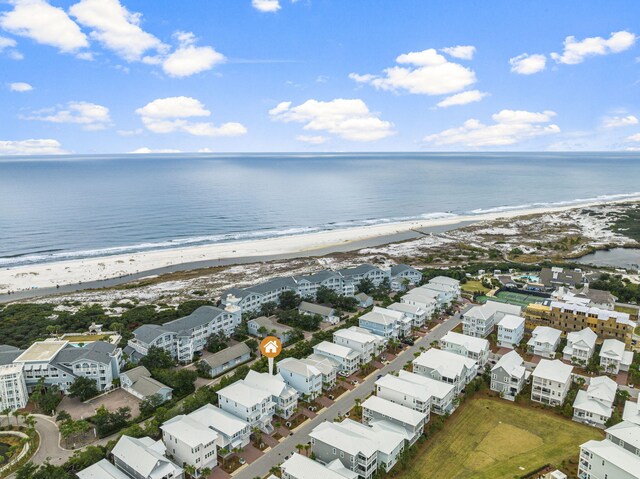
(343,439)
(356,334)
(620,457)
(512,363)
(490,308)
(612,349)
(190,431)
(147,333)
(554,370)
(447,364)
(302,467)
(98,351)
(445,280)
(385,443)
(357,270)
(242,393)
(586,337)
(274,284)
(228,354)
(335,350)
(318,277)
(602,388)
(626,431)
(316,309)
(382,316)
(631,412)
(325,365)
(201,316)
(102,469)
(413,389)
(271,325)
(401,268)
(219,420)
(511,321)
(298,366)
(407,308)
(274,385)
(470,343)
(395,411)
(545,335)
(586,403)
(143,455)
(437,388)
(362,297)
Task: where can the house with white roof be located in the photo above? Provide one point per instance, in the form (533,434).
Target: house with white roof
(144,458)
(445,366)
(302,467)
(305,378)
(328,368)
(360,448)
(139,383)
(359,339)
(254,406)
(631,412)
(442,394)
(544,341)
(408,394)
(451,283)
(382,322)
(284,396)
(595,405)
(424,299)
(376,409)
(616,457)
(190,443)
(102,469)
(444,294)
(613,357)
(479,321)
(417,314)
(347,358)
(551,382)
(580,346)
(510,331)
(468,346)
(232,431)
(509,375)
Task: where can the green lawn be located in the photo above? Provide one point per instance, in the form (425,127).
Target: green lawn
(489,439)
(474,287)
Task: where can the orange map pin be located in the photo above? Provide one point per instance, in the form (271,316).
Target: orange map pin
(270,347)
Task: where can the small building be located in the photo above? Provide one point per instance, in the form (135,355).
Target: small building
(227,359)
(551,382)
(364,300)
(139,383)
(595,405)
(445,366)
(144,458)
(377,409)
(613,357)
(417,314)
(580,346)
(301,376)
(263,326)
(468,346)
(326,313)
(359,339)
(544,341)
(347,358)
(510,331)
(509,376)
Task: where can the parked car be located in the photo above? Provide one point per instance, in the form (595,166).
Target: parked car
(408,341)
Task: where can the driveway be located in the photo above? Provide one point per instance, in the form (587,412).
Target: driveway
(112,401)
(261,467)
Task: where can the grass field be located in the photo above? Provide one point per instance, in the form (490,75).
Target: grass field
(518,299)
(474,287)
(490,439)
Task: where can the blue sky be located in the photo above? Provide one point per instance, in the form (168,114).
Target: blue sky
(116,76)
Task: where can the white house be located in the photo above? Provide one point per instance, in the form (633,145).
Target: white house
(544,341)
(382,322)
(417,314)
(631,412)
(378,409)
(328,367)
(442,394)
(144,458)
(426,300)
(616,457)
(252,405)
(613,357)
(139,383)
(408,394)
(451,283)
(348,359)
(190,442)
(302,467)
(468,346)
(102,469)
(404,273)
(283,395)
(509,375)
(301,376)
(580,346)
(445,295)
(595,405)
(232,431)
(479,321)
(510,331)
(445,366)
(361,340)
(551,382)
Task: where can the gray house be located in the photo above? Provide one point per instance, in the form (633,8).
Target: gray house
(328,314)
(364,300)
(139,383)
(278,330)
(509,375)
(228,358)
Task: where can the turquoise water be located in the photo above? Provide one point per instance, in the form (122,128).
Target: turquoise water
(69,207)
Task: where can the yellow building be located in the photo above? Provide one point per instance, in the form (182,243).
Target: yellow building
(536,314)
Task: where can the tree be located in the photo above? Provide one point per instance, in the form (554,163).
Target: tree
(217,342)
(63,416)
(268,308)
(190,470)
(109,422)
(157,358)
(117,326)
(26,471)
(182,381)
(252,344)
(70,429)
(365,286)
(289,300)
(84,458)
(203,369)
(150,404)
(83,388)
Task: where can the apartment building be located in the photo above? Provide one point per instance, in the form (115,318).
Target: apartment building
(13,388)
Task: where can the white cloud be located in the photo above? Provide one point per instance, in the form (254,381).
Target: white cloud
(635,137)
(137,131)
(526,64)
(510,127)
(90,115)
(619,121)
(429,73)
(116,28)
(20,87)
(6,42)
(312,139)
(575,51)
(189,59)
(464,52)
(45,24)
(146,151)
(31,147)
(463,98)
(266,5)
(348,119)
(168,115)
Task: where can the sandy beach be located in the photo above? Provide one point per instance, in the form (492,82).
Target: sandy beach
(82,271)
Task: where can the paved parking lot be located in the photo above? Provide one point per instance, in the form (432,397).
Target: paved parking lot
(112,401)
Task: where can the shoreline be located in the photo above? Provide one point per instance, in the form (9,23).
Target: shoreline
(73,275)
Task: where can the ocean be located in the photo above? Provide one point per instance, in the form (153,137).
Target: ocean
(68,207)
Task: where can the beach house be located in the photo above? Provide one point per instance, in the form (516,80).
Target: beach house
(382,322)
(328,367)
(442,393)
(282,395)
(405,274)
(613,357)
(615,457)
(302,467)
(551,381)
(356,274)
(424,299)
(580,346)
(409,394)
(417,314)
(447,367)
(139,383)
(479,321)
(468,346)
(510,331)
(233,432)
(376,409)
(190,443)
(326,313)
(359,339)
(544,341)
(451,283)
(305,378)
(509,376)
(595,405)
(263,326)
(348,359)
(254,406)
(222,361)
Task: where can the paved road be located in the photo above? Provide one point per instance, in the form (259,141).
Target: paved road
(344,403)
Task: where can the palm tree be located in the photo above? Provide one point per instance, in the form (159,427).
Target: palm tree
(205,471)
(190,470)
(307,447)
(7,412)
(274,470)
(16,414)
(299,447)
